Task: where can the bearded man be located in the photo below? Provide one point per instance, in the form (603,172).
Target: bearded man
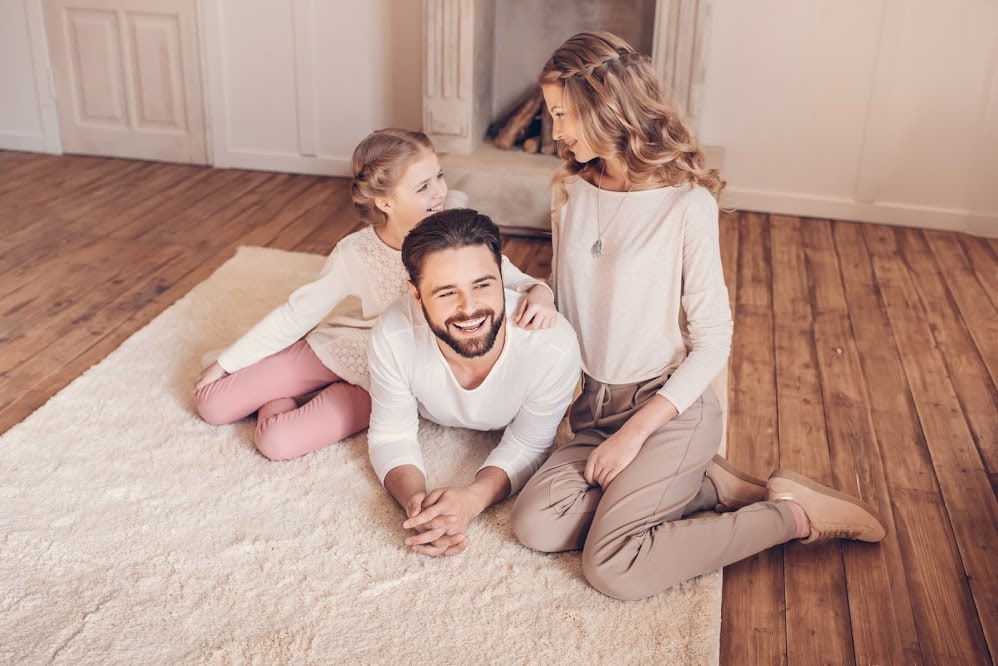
(449,353)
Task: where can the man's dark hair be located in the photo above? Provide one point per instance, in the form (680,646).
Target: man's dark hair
(449,230)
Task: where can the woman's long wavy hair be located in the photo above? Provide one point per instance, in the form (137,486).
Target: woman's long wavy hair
(379,163)
(623,112)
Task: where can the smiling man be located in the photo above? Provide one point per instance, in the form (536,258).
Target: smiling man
(448,352)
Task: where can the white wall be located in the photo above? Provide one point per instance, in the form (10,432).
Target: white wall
(877,111)
(295,85)
(27,108)
(883,111)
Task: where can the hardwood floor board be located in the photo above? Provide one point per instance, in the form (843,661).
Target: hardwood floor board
(42,174)
(970,296)
(260,223)
(18,168)
(949,630)
(535,257)
(208,237)
(100,216)
(134,200)
(290,205)
(736,581)
(72,182)
(66,309)
(237,200)
(984,262)
(882,623)
(23,169)
(226,191)
(963,480)
(243,215)
(906,460)
(12,183)
(92,194)
(64,260)
(17,403)
(991,243)
(975,390)
(8,159)
(880,615)
(52,210)
(181,189)
(200,195)
(30,299)
(760,608)
(80,220)
(131,293)
(335,204)
(15,223)
(322,241)
(927,544)
(297,236)
(728,230)
(815,577)
(517,250)
(22,244)
(539,265)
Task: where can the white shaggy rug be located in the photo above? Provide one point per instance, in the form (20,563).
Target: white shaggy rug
(133,533)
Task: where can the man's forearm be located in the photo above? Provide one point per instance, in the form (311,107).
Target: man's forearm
(491,485)
(403,483)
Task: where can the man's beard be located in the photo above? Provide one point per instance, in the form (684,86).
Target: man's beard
(471,347)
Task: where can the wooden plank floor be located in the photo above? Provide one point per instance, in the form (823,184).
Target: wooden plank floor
(865,356)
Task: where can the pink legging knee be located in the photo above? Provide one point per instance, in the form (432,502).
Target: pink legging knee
(284,430)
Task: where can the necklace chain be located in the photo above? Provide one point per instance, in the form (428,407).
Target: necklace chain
(597,248)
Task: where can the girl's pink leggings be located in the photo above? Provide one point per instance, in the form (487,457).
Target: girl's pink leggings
(283,429)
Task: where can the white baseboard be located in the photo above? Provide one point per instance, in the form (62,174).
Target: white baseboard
(283,162)
(983,225)
(883,212)
(31,143)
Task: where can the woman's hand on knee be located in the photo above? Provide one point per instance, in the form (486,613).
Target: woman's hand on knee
(611,457)
(618,450)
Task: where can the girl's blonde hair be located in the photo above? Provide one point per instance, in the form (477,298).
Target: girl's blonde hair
(379,162)
(623,112)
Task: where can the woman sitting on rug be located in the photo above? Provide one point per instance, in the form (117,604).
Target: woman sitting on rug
(637,272)
(316,342)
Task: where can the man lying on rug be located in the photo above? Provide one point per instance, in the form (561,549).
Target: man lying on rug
(447,353)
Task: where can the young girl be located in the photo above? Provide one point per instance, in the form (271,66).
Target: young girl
(637,271)
(316,342)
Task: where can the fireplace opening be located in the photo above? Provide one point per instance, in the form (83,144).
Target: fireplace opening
(526,32)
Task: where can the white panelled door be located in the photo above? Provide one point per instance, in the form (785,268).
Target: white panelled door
(128,78)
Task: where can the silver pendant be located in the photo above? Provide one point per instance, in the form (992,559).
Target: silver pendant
(597,248)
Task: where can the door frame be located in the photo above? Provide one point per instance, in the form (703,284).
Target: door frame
(45,83)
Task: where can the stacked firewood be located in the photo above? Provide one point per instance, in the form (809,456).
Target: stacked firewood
(525,126)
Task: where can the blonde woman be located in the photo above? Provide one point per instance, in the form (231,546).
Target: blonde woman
(637,272)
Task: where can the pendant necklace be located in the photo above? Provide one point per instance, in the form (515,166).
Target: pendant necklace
(597,248)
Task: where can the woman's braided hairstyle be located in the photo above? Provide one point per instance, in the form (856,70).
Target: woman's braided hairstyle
(379,163)
(623,112)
